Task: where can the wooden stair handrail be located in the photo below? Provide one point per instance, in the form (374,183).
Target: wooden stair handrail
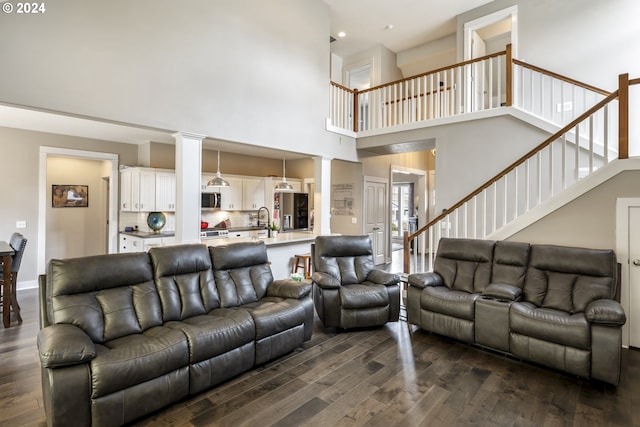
(437,70)
(517,163)
(561,77)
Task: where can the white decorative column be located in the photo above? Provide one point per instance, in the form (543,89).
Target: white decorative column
(322,196)
(188,177)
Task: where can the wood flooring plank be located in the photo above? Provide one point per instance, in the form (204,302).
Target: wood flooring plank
(396,375)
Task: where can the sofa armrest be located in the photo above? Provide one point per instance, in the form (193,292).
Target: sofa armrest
(286,288)
(383,278)
(502,292)
(325,281)
(422,280)
(63,345)
(605,312)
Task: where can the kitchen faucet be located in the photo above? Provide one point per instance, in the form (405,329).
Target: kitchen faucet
(268,220)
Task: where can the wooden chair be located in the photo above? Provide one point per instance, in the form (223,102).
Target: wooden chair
(18,242)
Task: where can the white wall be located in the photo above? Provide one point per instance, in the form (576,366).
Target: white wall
(76,231)
(591,41)
(235,71)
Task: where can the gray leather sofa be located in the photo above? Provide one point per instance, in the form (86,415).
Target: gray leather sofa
(127,334)
(348,291)
(552,305)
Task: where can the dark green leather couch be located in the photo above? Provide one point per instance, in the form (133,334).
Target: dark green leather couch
(556,306)
(124,335)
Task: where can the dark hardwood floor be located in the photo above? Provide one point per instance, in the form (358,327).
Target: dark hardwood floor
(394,375)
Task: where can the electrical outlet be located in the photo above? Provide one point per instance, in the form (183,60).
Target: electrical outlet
(21,224)
(354,220)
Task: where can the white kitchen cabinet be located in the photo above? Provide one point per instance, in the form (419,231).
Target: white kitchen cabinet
(138,190)
(253,194)
(165,191)
(129,243)
(125,190)
(203,185)
(231,196)
(146,201)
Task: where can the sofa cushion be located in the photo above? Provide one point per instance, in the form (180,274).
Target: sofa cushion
(116,299)
(442,300)
(134,359)
(216,333)
(241,271)
(273,315)
(464,264)
(568,279)
(349,259)
(366,295)
(184,279)
(510,260)
(551,325)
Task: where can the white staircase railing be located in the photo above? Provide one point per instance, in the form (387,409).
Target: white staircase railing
(480,84)
(585,144)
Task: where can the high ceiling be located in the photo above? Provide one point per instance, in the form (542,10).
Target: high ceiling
(414,22)
(365,23)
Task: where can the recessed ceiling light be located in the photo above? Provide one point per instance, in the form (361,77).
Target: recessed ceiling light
(342,34)
(389,27)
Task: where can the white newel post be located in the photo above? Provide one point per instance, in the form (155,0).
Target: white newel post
(188,176)
(322,196)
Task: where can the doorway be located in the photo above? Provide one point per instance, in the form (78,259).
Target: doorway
(375,217)
(106,166)
(628,253)
(484,36)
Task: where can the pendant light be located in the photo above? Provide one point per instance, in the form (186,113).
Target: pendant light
(283,185)
(218,181)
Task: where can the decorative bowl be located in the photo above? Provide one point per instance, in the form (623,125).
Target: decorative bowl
(156,220)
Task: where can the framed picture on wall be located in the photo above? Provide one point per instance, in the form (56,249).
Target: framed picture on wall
(70,196)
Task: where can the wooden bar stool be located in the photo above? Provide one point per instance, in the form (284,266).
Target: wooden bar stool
(306,265)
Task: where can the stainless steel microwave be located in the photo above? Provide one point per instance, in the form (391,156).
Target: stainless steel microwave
(210,201)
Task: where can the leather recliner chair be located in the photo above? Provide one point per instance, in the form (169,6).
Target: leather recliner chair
(348,291)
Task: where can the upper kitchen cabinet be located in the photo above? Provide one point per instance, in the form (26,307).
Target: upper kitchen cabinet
(253,194)
(165,191)
(138,190)
(147,190)
(231,196)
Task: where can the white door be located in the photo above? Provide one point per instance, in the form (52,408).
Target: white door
(634,276)
(375,215)
(478,75)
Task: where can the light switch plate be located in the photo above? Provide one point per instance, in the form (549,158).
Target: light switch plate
(354,220)
(21,224)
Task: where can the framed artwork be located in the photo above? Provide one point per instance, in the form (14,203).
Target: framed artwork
(70,196)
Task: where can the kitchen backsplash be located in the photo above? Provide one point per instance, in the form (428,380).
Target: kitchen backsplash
(236,218)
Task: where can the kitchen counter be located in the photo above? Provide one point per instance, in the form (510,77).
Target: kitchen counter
(148,234)
(286,238)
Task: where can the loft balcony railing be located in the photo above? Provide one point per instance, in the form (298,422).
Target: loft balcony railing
(588,142)
(593,130)
(481,84)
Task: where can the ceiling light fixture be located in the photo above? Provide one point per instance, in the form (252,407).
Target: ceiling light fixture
(283,185)
(218,181)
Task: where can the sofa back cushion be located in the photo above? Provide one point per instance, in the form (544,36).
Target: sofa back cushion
(242,272)
(107,296)
(568,278)
(184,279)
(464,264)
(510,260)
(348,259)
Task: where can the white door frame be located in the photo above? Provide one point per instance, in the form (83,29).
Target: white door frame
(421,191)
(474,25)
(43,196)
(387,234)
(622,252)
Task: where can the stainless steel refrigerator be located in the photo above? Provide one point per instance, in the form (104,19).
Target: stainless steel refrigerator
(294,209)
